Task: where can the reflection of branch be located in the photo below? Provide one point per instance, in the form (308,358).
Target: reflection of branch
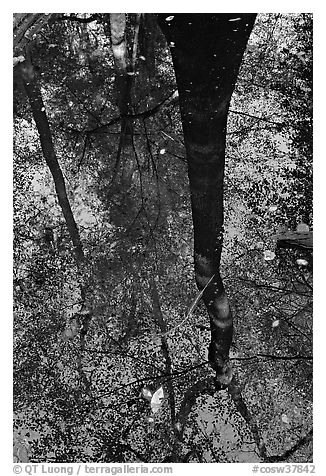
(144,114)
(82,374)
(34,94)
(288,318)
(209,443)
(164,345)
(86,141)
(26,25)
(151,378)
(127,355)
(269,286)
(246,129)
(148,143)
(283,457)
(191,308)
(235,394)
(142,457)
(135,42)
(208,385)
(261,285)
(186,370)
(274,357)
(82,103)
(304,280)
(116,164)
(241,113)
(139,170)
(123,71)
(138,382)
(93,17)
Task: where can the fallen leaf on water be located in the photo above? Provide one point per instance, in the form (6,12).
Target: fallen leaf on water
(178,426)
(285,418)
(269,255)
(157,400)
(302,227)
(302,262)
(146,393)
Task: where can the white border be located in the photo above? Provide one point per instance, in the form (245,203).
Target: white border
(319,187)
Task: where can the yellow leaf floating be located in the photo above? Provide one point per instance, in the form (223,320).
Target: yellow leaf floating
(178,426)
(302,262)
(157,400)
(303,227)
(285,419)
(146,393)
(269,255)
